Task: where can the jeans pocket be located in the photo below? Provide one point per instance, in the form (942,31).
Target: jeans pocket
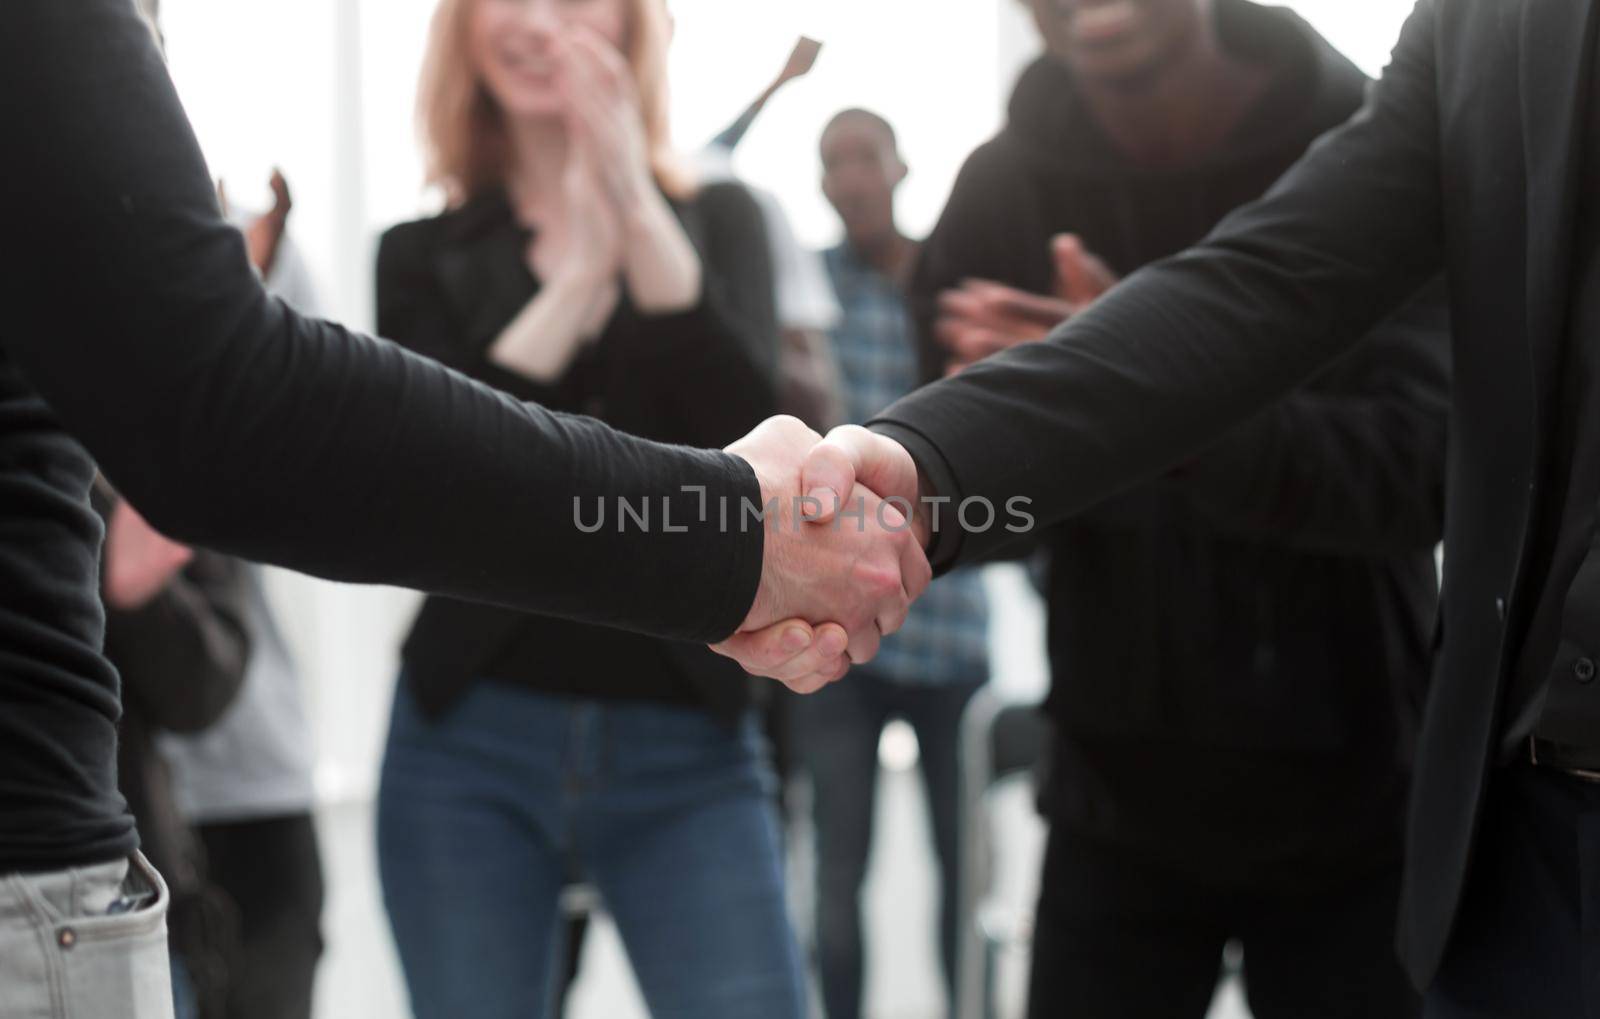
(114,962)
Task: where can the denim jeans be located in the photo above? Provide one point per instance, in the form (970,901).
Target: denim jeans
(85,943)
(483,813)
(837,731)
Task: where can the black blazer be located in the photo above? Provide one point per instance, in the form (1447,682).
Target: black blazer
(447,286)
(1465,157)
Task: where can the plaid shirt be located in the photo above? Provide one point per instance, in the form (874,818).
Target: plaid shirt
(945,641)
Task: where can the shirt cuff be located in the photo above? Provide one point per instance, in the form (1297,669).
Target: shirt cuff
(937,479)
(749,548)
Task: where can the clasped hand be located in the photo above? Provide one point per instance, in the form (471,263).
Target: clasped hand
(843,557)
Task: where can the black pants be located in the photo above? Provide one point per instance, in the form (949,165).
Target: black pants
(270,871)
(1120,938)
(1527,940)
(838,731)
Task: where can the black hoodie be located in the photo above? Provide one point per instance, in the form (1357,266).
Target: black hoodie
(1239,649)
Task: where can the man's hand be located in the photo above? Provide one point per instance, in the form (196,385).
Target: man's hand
(851,456)
(857,570)
(801,60)
(140,561)
(982,317)
(264,235)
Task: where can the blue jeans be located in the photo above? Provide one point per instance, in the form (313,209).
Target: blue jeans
(484,813)
(837,730)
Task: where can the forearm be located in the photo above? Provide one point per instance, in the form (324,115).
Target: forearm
(662,269)
(541,341)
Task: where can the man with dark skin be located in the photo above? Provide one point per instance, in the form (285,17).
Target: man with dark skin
(1475,155)
(1235,689)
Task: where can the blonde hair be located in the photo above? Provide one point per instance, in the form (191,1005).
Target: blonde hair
(463,131)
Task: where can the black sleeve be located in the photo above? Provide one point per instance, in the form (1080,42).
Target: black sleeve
(1352,466)
(721,355)
(182,655)
(234,423)
(1193,345)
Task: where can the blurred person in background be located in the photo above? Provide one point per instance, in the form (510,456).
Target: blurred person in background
(926,673)
(808,377)
(808,373)
(1240,649)
(245,783)
(579,265)
(176,631)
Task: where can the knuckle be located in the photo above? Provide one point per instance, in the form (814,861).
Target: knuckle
(877,580)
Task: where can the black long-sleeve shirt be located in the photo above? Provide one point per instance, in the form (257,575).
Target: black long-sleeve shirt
(1239,649)
(134,329)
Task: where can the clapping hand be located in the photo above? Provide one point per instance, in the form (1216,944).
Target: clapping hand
(982,317)
(842,576)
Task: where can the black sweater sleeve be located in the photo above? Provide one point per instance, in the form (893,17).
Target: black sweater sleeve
(235,423)
(1354,466)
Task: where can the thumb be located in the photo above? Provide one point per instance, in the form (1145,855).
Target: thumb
(1080,276)
(830,471)
(851,455)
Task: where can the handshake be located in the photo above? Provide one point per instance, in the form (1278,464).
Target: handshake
(843,557)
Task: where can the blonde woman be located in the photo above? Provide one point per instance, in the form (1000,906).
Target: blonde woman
(580,267)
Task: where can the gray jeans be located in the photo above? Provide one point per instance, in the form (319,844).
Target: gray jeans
(85,943)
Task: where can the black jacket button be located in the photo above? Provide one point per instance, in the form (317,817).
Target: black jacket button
(1583,669)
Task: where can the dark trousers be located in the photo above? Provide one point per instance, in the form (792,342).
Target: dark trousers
(1120,938)
(1527,940)
(837,730)
(271,872)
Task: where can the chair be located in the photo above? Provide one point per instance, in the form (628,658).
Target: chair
(1001,743)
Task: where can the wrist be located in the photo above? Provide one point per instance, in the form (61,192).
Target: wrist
(643,209)
(577,278)
(767,606)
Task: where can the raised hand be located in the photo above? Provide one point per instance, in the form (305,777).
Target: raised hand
(859,569)
(1081,277)
(801,60)
(660,266)
(982,317)
(264,236)
(603,106)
